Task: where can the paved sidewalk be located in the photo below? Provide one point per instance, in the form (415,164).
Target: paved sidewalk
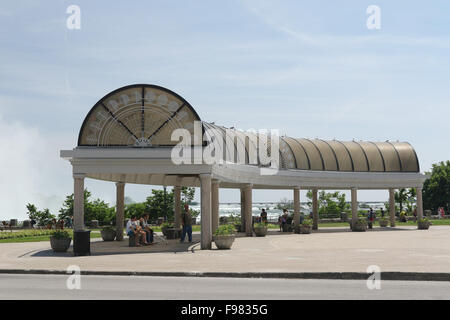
(404,249)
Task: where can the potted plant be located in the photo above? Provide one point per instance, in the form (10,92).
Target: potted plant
(402,216)
(383,222)
(108,233)
(423,224)
(168,230)
(305,227)
(60,241)
(360,225)
(260,229)
(224,236)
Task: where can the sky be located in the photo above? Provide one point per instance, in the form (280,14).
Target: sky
(311,69)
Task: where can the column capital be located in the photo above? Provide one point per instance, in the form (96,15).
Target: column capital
(248,185)
(177,187)
(204,176)
(215,181)
(120,183)
(79,175)
(297,188)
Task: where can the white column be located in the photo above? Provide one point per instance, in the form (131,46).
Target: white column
(315,204)
(177,206)
(248,209)
(205,198)
(296,206)
(120,209)
(392,207)
(242,209)
(215,204)
(354,205)
(419,203)
(78,202)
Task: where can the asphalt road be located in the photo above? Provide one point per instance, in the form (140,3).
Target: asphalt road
(134,287)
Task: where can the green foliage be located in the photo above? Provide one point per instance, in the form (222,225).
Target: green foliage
(225,230)
(25,234)
(42,217)
(307,222)
(93,209)
(260,225)
(166,225)
(332,203)
(436,189)
(187,194)
(405,197)
(160,204)
(61,234)
(135,209)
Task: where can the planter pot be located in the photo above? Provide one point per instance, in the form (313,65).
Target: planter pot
(383,223)
(423,225)
(171,233)
(108,235)
(304,229)
(359,226)
(60,245)
(260,231)
(224,242)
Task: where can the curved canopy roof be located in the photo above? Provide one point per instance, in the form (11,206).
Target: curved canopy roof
(146,115)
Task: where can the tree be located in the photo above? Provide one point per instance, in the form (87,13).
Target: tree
(436,189)
(187,194)
(332,203)
(93,210)
(160,204)
(42,217)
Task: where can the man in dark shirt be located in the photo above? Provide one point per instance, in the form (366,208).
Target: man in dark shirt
(186,220)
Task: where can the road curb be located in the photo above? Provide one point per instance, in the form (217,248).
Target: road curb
(402,276)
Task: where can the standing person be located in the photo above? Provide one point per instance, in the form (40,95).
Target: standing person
(382,212)
(264,216)
(186,220)
(371,218)
(284,220)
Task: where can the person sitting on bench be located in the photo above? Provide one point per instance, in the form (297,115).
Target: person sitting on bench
(146,227)
(133,228)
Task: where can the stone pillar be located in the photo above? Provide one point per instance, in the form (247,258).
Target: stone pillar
(78,202)
(296,206)
(242,210)
(392,207)
(315,204)
(177,206)
(419,203)
(248,210)
(120,209)
(205,198)
(215,204)
(354,205)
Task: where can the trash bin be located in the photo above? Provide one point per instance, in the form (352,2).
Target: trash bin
(82,243)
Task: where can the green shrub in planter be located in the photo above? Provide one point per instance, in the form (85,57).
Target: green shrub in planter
(224,236)
(60,241)
(360,225)
(305,227)
(383,222)
(108,233)
(423,224)
(260,229)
